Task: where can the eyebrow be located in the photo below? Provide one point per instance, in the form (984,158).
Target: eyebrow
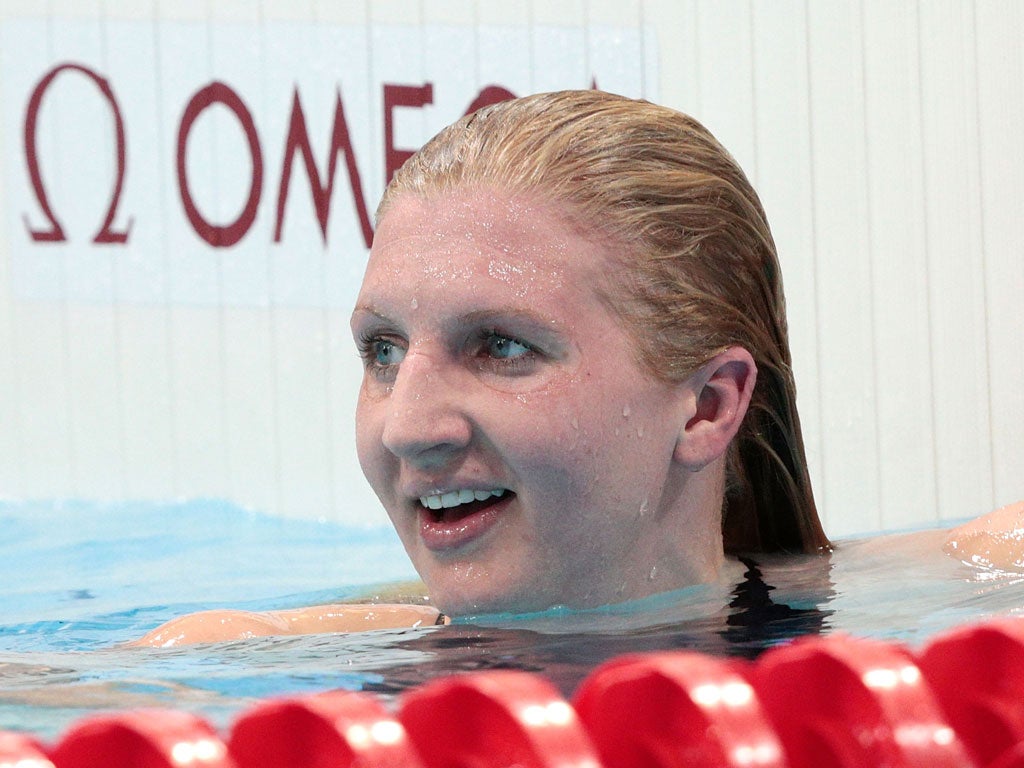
(476,316)
(501,316)
(370,311)
(498,313)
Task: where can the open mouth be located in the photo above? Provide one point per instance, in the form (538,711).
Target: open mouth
(454,506)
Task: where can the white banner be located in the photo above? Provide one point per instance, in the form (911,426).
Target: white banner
(239,165)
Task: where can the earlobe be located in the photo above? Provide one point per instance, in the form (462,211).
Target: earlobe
(717,397)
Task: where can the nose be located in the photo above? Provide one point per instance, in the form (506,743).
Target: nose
(425,421)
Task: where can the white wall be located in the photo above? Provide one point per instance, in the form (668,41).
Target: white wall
(883,137)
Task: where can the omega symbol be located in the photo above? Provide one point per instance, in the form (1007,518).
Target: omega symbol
(55,232)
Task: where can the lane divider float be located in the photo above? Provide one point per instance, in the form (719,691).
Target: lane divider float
(826,702)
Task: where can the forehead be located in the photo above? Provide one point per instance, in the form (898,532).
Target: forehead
(516,240)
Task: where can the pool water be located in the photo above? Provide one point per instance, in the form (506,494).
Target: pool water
(79,579)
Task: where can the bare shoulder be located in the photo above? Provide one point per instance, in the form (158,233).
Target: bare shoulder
(995,540)
(223,625)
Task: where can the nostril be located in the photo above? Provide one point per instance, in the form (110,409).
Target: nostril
(426,419)
(427,435)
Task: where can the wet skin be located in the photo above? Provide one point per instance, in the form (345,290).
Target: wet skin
(493,365)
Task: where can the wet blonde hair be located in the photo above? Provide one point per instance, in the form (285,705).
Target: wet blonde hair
(700,271)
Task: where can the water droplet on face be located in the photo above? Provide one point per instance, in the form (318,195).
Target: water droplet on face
(575,423)
(644,505)
(625,411)
(415,304)
(640,431)
(653,573)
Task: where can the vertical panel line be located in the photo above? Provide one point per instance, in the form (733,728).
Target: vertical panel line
(71,444)
(928,256)
(118,319)
(638,7)
(993,500)
(329,370)
(531,37)
(172,371)
(821,494)
(220,311)
(270,317)
(753,93)
(273,323)
(869,225)
(588,45)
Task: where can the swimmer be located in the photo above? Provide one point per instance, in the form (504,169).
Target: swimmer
(577,381)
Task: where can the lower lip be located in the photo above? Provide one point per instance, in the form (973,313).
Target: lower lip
(439,536)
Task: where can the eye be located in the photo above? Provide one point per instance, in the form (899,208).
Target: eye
(386,352)
(504,348)
(381,354)
(504,355)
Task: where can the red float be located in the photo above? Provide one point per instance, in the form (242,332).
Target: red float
(145,738)
(670,710)
(21,751)
(493,720)
(845,702)
(977,673)
(340,729)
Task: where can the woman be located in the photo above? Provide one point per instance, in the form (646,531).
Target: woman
(577,384)
(574,299)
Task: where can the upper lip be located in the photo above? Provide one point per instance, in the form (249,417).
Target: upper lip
(423,484)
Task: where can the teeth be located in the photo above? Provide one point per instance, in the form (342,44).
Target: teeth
(455,498)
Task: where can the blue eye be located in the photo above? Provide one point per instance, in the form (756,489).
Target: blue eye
(504,348)
(385,353)
(381,355)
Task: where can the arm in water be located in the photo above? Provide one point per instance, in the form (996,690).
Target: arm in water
(226,624)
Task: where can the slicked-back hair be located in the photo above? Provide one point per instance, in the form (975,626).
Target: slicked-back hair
(698,269)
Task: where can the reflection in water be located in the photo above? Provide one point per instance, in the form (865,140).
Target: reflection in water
(757,621)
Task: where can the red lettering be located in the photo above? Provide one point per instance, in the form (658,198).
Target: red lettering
(298,141)
(400,96)
(492,94)
(55,233)
(215,235)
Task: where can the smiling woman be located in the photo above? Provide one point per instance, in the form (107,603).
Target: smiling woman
(531,393)
(575,298)
(577,385)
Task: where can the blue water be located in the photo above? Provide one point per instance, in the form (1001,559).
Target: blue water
(78,579)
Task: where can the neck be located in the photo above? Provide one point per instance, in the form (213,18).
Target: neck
(682,546)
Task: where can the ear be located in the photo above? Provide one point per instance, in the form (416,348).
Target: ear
(716,399)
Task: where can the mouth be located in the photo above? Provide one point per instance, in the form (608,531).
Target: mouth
(455,505)
(452,519)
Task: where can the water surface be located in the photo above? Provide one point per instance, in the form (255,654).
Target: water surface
(79,579)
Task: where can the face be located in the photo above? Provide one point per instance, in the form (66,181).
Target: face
(523,455)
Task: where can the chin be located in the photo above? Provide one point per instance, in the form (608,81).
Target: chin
(486,598)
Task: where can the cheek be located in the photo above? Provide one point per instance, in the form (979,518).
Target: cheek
(623,444)
(369,447)
(560,455)
(541,430)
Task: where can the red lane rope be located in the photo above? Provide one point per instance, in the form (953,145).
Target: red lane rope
(821,702)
